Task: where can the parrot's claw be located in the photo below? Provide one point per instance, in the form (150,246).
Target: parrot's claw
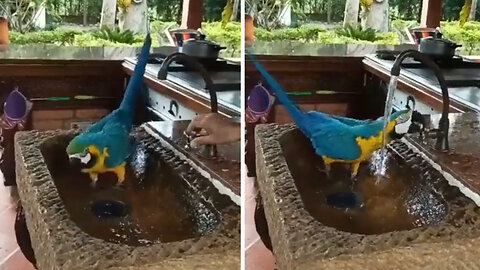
(354,173)
(94,178)
(328,169)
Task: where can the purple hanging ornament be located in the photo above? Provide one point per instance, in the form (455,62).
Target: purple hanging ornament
(15,110)
(259,103)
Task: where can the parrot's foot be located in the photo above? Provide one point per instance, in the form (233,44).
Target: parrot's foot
(328,169)
(354,169)
(94,178)
(120,172)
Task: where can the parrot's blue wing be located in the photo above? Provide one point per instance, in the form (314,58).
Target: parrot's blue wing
(351,121)
(332,138)
(98,126)
(117,143)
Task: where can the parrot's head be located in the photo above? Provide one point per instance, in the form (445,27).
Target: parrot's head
(403,121)
(82,152)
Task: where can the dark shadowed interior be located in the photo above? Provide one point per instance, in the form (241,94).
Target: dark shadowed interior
(401,201)
(155,204)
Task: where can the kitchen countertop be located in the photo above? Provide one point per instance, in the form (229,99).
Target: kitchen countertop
(225,168)
(466,97)
(44,52)
(228,101)
(230,98)
(460,165)
(295,48)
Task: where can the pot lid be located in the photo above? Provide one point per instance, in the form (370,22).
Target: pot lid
(201,41)
(444,40)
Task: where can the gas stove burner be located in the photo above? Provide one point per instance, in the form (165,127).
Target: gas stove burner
(217,64)
(445,61)
(387,54)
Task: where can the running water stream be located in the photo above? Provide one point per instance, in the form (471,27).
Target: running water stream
(380,160)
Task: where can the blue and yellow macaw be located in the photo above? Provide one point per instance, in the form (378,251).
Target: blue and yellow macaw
(340,139)
(105,146)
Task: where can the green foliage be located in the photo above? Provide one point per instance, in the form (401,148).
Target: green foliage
(390,38)
(160,26)
(89,40)
(166,10)
(468,35)
(400,25)
(358,33)
(266,13)
(116,36)
(302,33)
(229,36)
(405,9)
(21,14)
(59,37)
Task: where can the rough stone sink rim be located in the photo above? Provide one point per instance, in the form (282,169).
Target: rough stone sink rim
(69,238)
(292,242)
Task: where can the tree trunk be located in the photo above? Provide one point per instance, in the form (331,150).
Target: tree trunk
(109,8)
(85,12)
(352,8)
(376,17)
(329,11)
(473,10)
(135,18)
(235,10)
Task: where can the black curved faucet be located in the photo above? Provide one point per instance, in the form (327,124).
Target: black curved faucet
(442,131)
(208,150)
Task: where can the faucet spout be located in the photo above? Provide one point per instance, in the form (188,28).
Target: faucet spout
(207,150)
(192,63)
(442,132)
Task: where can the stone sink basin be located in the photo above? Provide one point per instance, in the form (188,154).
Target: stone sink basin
(412,220)
(166,216)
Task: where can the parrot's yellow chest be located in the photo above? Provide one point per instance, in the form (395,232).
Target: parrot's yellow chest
(99,166)
(367,147)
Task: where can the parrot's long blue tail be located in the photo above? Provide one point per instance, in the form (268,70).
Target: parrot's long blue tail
(297,115)
(136,81)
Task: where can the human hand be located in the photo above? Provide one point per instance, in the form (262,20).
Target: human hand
(213,128)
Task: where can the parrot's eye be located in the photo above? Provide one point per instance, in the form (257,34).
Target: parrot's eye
(85,152)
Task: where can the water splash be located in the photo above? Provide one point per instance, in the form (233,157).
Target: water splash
(381,169)
(378,164)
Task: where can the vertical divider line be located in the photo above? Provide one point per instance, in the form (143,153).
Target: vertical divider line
(242,137)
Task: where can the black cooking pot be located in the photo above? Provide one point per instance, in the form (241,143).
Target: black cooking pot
(438,47)
(201,48)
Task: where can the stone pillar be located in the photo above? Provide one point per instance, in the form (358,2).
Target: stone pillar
(376,17)
(352,8)
(41,17)
(134,18)
(109,9)
(286,17)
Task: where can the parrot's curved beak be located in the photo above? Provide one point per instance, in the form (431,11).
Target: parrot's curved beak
(75,162)
(81,161)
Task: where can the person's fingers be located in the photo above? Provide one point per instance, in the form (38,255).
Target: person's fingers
(202,140)
(195,123)
(203,132)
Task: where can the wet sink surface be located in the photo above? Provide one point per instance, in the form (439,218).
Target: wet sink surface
(401,201)
(157,206)
(167,216)
(411,220)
